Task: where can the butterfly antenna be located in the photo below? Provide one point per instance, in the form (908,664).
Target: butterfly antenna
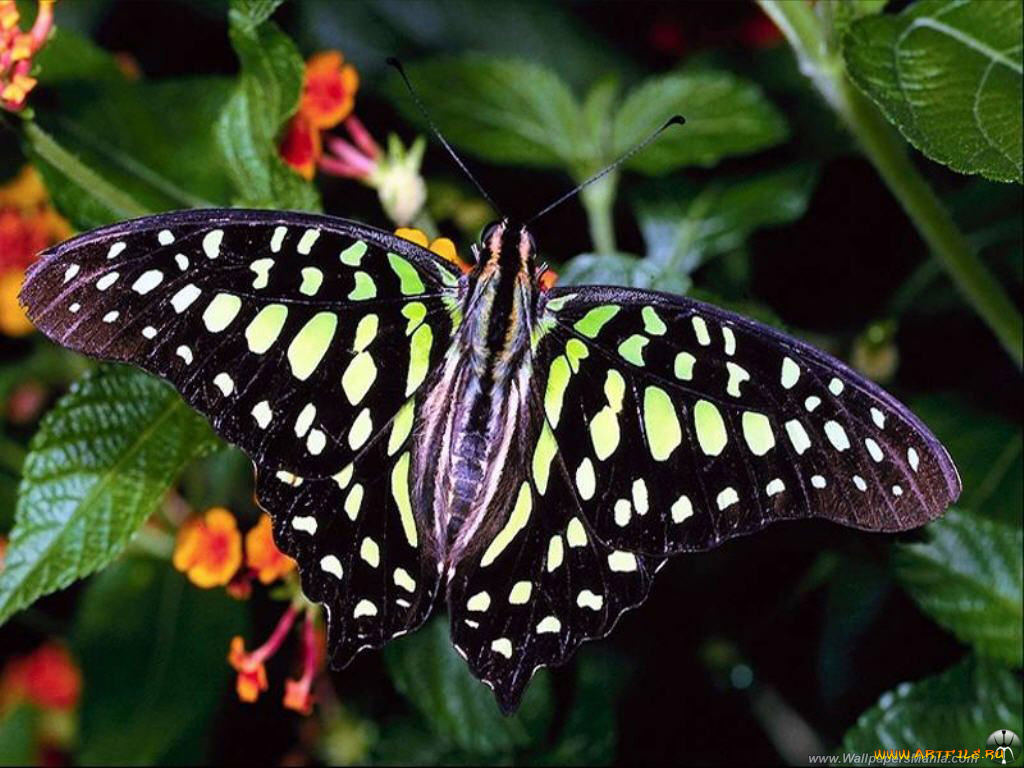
(674,120)
(426,116)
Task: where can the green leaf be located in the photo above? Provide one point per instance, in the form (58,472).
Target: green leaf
(506,111)
(725,115)
(459,709)
(266,96)
(622,269)
(987,452)
(69,57)
(956,709)
(150,143)
(153,655)
(97,468)
(968,577)
(948,74)
(685,224)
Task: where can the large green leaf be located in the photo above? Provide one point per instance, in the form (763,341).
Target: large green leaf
(725,115)
(948,74)
(457,707)
(98,466)
(153,655)
(18,736)
(503,110)
(956,709)
(968,576)
(267,94)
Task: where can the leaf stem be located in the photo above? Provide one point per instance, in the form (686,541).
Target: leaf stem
(886,150)
(599,202)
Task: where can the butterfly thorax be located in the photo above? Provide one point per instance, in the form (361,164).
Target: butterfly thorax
(480,399)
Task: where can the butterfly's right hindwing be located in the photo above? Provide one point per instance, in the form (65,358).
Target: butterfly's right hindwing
(298,336)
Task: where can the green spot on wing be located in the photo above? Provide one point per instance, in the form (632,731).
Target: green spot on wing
(411,282)
(632,349)
(591,323)
(365,287)
(353,255)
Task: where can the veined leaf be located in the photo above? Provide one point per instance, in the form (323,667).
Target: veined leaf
(956,709)
(725,115)
(502,110)
(949,75)
(461,712)
(267,95)
(968,577)
(152,650)
(98,466)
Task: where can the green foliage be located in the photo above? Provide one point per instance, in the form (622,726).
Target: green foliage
(968,577)
(948,74)
(459,711)
(685,224)
(725,116)
(513,112)
(956,709)
(502,110)
(987,452)
(266,95)
(98,466)
(152,650)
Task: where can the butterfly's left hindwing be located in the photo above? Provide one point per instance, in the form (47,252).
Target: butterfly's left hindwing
(308,341)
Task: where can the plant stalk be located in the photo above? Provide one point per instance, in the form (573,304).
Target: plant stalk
(599,202)
(887,151)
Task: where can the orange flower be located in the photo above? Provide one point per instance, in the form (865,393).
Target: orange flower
(263,556)
(252,672)
(442,246)
(301,147)
(209,549)
(328,90)
(17,49)
(47,677)
(27,225)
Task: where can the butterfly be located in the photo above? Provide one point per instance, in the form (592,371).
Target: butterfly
(533,455)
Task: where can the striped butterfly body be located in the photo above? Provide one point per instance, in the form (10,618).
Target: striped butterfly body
(533,455)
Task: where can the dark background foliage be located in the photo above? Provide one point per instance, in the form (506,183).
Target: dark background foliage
(767,650)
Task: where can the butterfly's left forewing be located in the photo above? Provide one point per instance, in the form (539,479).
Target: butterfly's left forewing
(309,342)
(298,336)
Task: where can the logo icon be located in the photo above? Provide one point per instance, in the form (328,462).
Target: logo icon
(1006,746)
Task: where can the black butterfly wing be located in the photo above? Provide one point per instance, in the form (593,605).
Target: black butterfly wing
(684,425)
(298,336)
(668,426)
(364,549)
(308,341)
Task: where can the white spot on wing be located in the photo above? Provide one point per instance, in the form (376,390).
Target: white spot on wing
(332,565)
(304,523)
(165,237)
